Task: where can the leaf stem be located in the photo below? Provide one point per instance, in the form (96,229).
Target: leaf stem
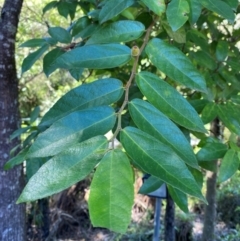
(132,76)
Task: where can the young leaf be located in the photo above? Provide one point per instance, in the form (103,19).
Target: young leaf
(100,92)
(195,9)
(169,101)
(220,8)
(121,31)
(76,127)
(19,132)
(49,60)
(177,13)
(112,193)
(29,61)
(229,165)
(158,7)
(60,35)
(179,198)
(65,169)
(152,121)
(112,8)
(151,184)
(212,151)
(95,57)
(159,160)
(175,64)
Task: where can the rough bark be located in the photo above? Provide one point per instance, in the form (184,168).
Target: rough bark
(210,209)
(12,216)
(169,233)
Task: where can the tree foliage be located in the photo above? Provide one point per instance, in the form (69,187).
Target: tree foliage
(158,72)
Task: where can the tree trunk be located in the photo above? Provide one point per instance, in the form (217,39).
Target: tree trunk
(12,216)
(169,234)
(210,209)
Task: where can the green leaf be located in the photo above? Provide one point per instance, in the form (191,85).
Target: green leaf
(65,169)
(230,116)
(100,92)
(236,99)
(178,36)
(209,113)
(37,42)
(151,184)
(229,165)
(222,50)
(19,132)
(49,60)
(220,8)
(76,73)
(63,8)
(175,64)
(177,13)
(87,32)
(179,198)
(195,10)
(212,151)
(33,165)
(159,160)
(81,24)
(112,193)
(49,6)
(152,121)
(34,114)
(95,57)
(112,8)
(75,127)
(232,3)
(121,31)
(169,101)
(18,159)
(158,7)
(29,61)
(204,59)
(60,35)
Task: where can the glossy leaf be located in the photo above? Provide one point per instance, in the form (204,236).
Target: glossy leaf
(158,7)
(232,3)
(29,61)
(209,113)
(212,151)
(95,57)
(49,60)
(75,127)
(178,36)
(179,198)
(177,13)
(151,184)
(220,8)
(65,169)
(60,34)
(112,193)
(159,160)
(169,101)
(195,9)
(37,42)
(121,31)
(100,92)
(175,64)
(112,8)
(153,122)
(229,165)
